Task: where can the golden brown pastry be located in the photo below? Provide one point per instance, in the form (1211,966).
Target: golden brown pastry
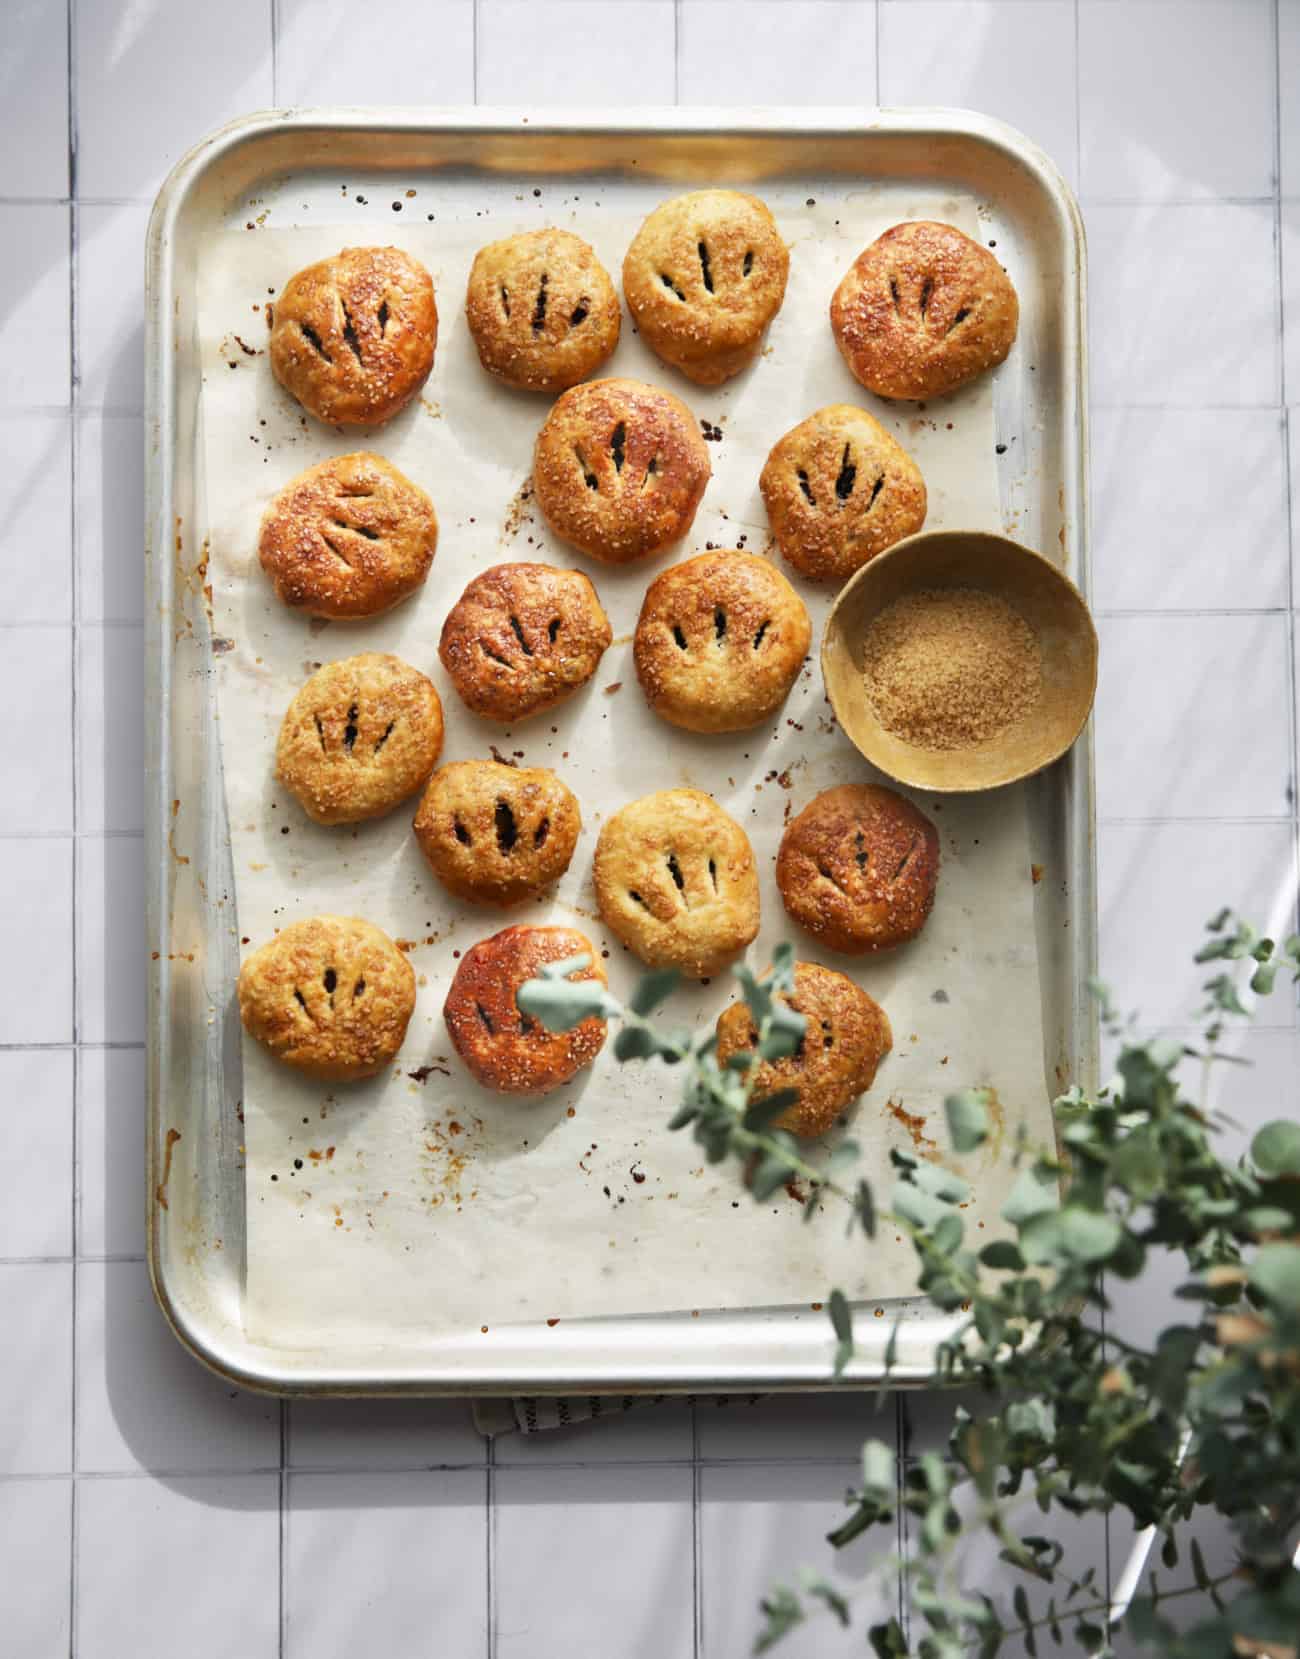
(676,881)
(542,310)
(858,868)
(720,641)
(505,1049)
(353,336)
(619,469)
(331,997)
(497,834)
(922,311)
(521,638)
(703,278)
(359,737)
(846,1036)
(838,490)
(348,538)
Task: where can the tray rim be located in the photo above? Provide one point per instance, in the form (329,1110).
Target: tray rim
(240,1361)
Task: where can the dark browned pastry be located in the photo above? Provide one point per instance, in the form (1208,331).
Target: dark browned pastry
(331,997)
(838,490)
(858,868)
(521,638)
(846,1035)
(497,834)
(619,469)
(505,1049)
(348,538)
(353,336)
(720,641)
(542,310)
(922,311)
(704,276)
(359,737)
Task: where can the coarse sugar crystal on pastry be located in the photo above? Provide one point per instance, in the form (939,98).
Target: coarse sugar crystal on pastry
(331,997)
(720,641)
(502,1047)
(348,538)
(858,868)
(542,310)
(521,638)
(838,490)
(497,834)
(359,737)
(353,336)
(677,882)
(703,278)
(922,311)
(619,469)
(846,1035)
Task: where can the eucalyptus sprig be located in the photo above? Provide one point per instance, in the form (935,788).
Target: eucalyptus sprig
(1205,1415)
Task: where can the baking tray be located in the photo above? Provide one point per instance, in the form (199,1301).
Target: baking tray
(282,164)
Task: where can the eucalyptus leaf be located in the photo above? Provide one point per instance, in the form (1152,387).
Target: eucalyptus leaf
(1275,1274)
(1275,1149)
(1030,1195)
(841,1318)
(968,1119)
(560,1004)
(634,1042)
(652,989)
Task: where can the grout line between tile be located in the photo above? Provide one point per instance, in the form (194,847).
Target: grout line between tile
(275,52)
(677,51)
(474,34)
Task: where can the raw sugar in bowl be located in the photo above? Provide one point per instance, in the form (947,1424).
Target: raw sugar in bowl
(959,660)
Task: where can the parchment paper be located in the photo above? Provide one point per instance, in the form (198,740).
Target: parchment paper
(417,1201)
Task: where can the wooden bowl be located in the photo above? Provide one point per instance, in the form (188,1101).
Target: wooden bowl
(1051,605)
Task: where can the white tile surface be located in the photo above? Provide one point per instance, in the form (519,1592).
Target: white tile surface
(318,61)
(382,1434)
(110,729)
(760,51)
(143,1402)
(36,1377)
(34,345)
(649,1433)
(1143,130)
(1009,58)
(827,1427)
(758,1527)
(1183,305)
(1160,883)
(36,933)
(35,1587)
(591,1562)
(1178,693)
(111,1107)
(390,1564)
(36,1171)
(157,77)
(110,518)
(110,305)
(583,52)
(1167,535)
(34,97)
(178,1567)
(1288,79)
(1291,298)
(36,694)
(110,940)
(36,513)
